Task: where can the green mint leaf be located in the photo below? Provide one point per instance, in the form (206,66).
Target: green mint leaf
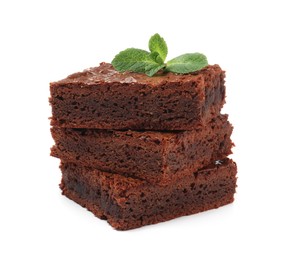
(150,71)
(137,60)
(156,56)
(130,60)
(187,63)
(158,44)
(154,64)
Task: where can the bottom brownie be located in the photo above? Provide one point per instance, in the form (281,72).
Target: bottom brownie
(128,203)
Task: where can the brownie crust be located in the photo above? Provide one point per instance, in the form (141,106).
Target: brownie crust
(128,203)
(152,156)
(103,98)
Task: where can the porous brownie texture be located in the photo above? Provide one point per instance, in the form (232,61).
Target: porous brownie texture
(103,98)
(128,203)
(157,157)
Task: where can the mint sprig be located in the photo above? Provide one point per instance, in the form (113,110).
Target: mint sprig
(150,63)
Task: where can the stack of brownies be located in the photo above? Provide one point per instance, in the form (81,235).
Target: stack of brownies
(138,150)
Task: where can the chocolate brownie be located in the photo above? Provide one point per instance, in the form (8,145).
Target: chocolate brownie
(128,203)
(103,98)
(153,156)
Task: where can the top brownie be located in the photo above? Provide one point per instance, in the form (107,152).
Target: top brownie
(104,98)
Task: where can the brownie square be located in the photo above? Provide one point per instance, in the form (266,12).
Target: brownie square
(128,203)
(103,98)
(157,157)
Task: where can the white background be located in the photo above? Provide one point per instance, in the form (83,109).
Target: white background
(45,41)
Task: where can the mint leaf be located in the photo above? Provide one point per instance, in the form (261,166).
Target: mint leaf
(130,60)
(158,44)
(153,64)
(152,70)
(156,56)
(186,63)
(137,60)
